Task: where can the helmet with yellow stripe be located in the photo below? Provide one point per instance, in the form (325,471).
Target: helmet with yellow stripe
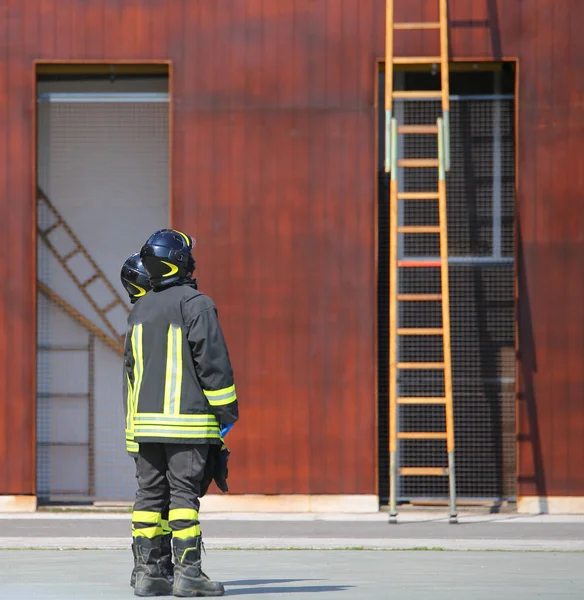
(167,257)
(135,278)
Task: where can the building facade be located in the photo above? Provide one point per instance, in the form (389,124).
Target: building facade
(273,167)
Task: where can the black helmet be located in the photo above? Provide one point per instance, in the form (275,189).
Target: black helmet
(135,278)
(167,257)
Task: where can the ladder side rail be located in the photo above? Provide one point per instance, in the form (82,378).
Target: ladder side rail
(444,75)
(393,289)
(388,81)
(445,290)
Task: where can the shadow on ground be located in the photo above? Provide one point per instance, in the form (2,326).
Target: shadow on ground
(281,589)
(264,581)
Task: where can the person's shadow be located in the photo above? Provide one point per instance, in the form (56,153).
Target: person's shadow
(251,587)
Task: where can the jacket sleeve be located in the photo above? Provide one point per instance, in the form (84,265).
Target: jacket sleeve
(211,358)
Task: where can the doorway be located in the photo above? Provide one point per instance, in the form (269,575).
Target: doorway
(480,207)
(102,140)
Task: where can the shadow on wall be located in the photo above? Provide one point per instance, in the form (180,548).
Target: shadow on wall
(490,22)
(527,406)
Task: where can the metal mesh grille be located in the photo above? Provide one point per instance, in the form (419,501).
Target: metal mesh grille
(104,166)
(480,203)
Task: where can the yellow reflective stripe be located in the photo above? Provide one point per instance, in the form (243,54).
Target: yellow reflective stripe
(193,434)
(185,534)
(183,514)
(169,364)
(223,402)
(149,532)
(132,447)
(179,429)
(177,422)
(138,365)
(173,379)
(184,417)
(141,290)
(129,405)
(173,268)
(146,516)
(185,237)
(165,528)
(222,392)
(179,370)
(221,397)
(202,419)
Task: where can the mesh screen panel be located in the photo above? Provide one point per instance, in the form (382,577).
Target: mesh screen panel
(104,166)
(480,204)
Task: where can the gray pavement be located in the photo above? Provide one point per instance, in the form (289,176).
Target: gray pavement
(511,532)
(120,527)
(323,575)
(44,556)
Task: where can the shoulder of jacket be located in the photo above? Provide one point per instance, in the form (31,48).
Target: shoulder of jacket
(133,311)
(197,301)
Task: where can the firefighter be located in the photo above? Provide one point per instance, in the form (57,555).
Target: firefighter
(180,380)
(136,282)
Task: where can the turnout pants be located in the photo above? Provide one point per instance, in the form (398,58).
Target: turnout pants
(164,512)
(164,470)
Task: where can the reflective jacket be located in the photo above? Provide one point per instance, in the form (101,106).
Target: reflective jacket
(178,380)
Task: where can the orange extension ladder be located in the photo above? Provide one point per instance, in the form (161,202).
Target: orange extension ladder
(393,165)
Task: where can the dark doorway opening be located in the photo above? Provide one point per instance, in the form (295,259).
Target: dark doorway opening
(481,202)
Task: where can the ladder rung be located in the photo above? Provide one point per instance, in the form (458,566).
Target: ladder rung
(420,331)
(52,227)
(419,229)
(414,400)
(418,195)
(419,297)
(423,129)
(423,471)
(419,263)
(422,435)
(416,60)
(72,254)
(90,280)
(417,163)
(111,305)
(425,25)
(417,94)
(421,365)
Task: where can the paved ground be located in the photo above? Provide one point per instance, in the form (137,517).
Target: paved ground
(322,575)
(43,556)
(111,528)
(421,530)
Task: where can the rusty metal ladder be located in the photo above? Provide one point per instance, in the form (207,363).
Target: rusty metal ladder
(82,282)
(393,164)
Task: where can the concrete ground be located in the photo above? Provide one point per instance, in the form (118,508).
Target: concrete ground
(325,575)
(41,556)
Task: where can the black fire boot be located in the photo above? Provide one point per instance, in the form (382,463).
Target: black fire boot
(149,578)
(166,566)
(133,575)
(189,579)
